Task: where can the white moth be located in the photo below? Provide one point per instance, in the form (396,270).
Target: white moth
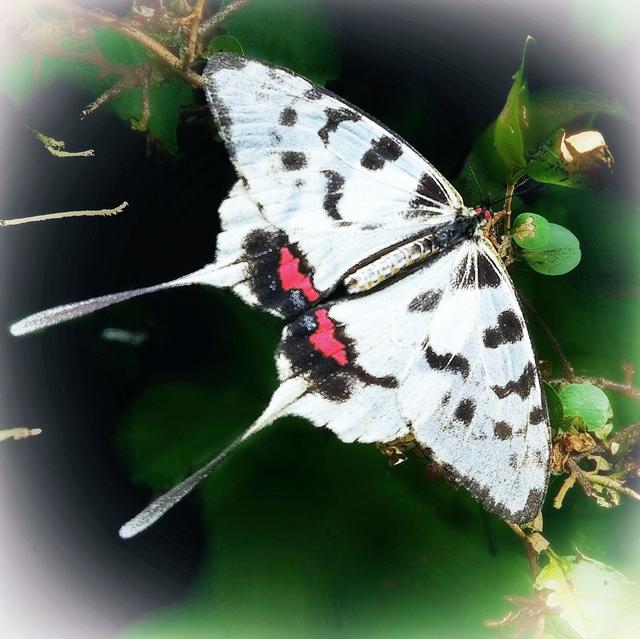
(402,318)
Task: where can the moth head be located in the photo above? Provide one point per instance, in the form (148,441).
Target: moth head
(483,213)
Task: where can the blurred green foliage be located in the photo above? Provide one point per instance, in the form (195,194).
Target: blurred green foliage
(296,35)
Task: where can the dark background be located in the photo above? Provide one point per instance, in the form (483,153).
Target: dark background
(342,538)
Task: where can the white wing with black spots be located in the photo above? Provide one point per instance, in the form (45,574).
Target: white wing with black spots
(308,158)
(443,354)
(332,182)
(472,391)
(265,266)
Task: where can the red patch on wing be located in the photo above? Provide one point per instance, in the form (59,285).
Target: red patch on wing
(291,277)
(324,338)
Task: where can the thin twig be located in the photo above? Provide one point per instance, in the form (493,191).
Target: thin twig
(612,484)
(508,196)
(580,476)
(145,40)
(629,435)
(58,216)
(566,364)
(146,105)
(109,94)
(601,382)
(57,147)
(532,555)
(192,43)
(18,433)
(568,484)
(210,25)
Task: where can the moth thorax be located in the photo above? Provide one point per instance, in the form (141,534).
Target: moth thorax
(390,264)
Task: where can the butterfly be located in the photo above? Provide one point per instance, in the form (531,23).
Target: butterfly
(402,320)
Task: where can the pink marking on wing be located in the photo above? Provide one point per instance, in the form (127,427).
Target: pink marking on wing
(324,339)
(291,277)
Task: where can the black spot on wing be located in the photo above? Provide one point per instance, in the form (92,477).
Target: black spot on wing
(447,362)
(431,189)
(502,430)
(521,386)
(335,117)
(335,182)
(508,330)
(288,117)
(293,160)
(465,411)
(487,275)
(425,301)
(476,269)
(383,150)
(465,276)
(537,415)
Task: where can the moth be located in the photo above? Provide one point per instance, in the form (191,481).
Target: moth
(401,319)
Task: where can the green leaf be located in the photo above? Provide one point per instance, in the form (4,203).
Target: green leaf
(551,109)
(586,403)
(578,161)
(513,119)
(591,599)
(531,231)
(559,255)
(128,104)
(483,173)
(119,49)
(296,35)
(165,101)
(225,43)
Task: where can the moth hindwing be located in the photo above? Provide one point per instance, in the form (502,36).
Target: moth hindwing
(402,321)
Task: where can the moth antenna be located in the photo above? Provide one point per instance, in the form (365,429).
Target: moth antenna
(287,393)
(66,312)
(475,178)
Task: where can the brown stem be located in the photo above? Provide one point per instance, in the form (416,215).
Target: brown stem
(601,382)
(58,216)
(192,43)
(532,556)
(146,104)
(109,94)
(628,372)
(623,389)
(18,433)
(580,477)
(210,25)
(627,436)
(564,489)
(145,40)
(508,196)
